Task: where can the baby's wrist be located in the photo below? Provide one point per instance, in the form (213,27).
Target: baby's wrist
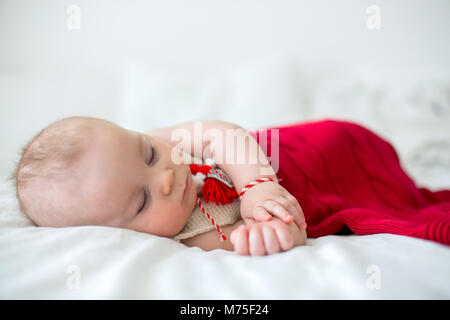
(254,185)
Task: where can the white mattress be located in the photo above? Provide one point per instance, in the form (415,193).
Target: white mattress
(104,263)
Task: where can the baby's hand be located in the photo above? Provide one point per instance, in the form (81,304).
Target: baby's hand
(269,198)
(268,237)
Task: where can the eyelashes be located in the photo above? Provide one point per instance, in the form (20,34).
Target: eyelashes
(146,192)
(143,202)
(153,156)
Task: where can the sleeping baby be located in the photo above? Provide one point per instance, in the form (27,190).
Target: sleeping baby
(86,171)
(347,179)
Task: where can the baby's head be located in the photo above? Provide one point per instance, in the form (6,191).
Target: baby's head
(88,171)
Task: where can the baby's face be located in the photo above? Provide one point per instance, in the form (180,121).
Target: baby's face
(128,179)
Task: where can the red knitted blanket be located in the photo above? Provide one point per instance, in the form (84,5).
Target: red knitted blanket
(349,180)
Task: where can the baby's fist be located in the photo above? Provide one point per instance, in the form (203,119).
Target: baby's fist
(263,238)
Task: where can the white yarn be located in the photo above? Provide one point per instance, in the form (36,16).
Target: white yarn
(199,180)
(210,162)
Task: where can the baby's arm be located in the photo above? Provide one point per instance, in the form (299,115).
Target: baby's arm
(204,143)
(194,139)
(252,240)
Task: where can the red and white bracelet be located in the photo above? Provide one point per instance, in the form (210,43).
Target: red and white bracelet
(216,186)
(253,183)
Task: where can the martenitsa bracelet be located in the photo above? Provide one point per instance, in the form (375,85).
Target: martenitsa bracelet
(253,183)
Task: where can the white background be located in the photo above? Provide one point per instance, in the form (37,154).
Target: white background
(256,63)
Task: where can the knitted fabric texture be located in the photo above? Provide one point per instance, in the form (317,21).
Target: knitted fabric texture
(223,215)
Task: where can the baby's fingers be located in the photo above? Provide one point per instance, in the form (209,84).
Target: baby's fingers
(256,242)
(278,210)
(261,214)
(270,240)
(285,239)
(239,238)
(292,205)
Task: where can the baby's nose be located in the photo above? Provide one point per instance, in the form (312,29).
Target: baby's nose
(168,180)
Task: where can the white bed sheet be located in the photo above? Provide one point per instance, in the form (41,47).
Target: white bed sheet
(105,263)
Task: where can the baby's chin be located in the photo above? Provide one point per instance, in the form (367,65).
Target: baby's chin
(187,214)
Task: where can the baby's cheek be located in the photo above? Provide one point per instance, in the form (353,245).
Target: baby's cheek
(183,218)
(175,218)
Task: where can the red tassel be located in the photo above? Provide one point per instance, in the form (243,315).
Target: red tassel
(215,189)
(196,168)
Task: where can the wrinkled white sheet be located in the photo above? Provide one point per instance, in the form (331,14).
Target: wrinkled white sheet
(104,263)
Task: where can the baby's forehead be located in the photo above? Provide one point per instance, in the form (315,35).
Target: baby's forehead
(90,134)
